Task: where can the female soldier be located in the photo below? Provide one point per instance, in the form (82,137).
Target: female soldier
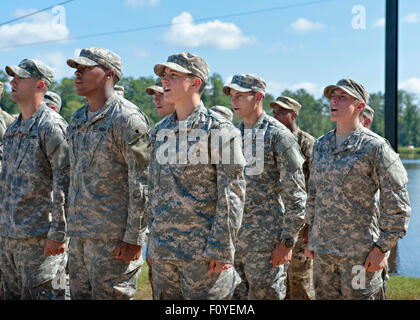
(352,171)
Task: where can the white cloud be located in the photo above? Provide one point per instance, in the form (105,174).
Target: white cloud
(141,3)
(212,34)
(379,23)
(412,18)
(276,88)
(411,84)
(58,62)
(41,27)
(304,25)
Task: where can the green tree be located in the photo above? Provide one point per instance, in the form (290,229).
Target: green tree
(6,103)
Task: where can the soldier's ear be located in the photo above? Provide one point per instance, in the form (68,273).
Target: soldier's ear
(259,96)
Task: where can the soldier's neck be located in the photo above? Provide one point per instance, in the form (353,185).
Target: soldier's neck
(251,118)
(28,108)
(185,107)
(98,99)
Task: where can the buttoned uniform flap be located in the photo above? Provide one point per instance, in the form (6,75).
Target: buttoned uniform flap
(394,168)
(137,139)
(58,151)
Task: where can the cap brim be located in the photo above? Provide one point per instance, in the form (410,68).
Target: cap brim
(12,70)
(81,61)
(160,68)
(329,90)
(281,104)
(151,90)
(226,88)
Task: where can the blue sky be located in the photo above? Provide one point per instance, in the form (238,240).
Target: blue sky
(307,46)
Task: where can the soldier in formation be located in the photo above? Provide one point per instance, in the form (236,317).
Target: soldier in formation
(300,273)
(352,170)
(34,184)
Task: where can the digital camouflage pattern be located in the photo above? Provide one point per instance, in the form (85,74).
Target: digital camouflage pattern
(352,87)
(26,272)
(226,112)
(8,118)
(178,279)
(157,87)
(261,280)
(274,207)
(195,210)
(34,178)
(245,83)
(98,56)
(344,278)
(99,275)
(52,98)
(344,184)
(3,127)
(300,272)
(185,62)
(275,198)
(34,184)
(306,143)
(31,68)
(108,176)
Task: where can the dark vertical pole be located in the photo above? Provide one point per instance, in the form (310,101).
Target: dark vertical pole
(391,73)
(391,91)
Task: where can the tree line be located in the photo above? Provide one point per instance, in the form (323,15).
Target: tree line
(313,118)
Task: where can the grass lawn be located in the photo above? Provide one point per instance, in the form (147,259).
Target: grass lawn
(398,287)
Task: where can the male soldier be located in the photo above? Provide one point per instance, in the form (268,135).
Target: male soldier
(119,90)
(196,193)
(300,273)
(53,101)
(108,174)
(163,108)
(367,116)
(2,131)
(353,170)
(275,196)
(34,184)
(227,113)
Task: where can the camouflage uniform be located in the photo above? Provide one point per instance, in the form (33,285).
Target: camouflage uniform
(108,192)
(269,218)
(300,273)
(34,182)
(195,211)
(226,112)
(34,185)
(343,213)
(275,200)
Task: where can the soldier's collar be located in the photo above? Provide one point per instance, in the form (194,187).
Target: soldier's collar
(351,141)
(27,127)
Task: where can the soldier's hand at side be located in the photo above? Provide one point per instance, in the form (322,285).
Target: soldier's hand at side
(127,252)
(375,261)
(216,266)
(308,253)
(280,255)
(52,247)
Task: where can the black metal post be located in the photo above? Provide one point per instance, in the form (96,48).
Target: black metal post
(391,73)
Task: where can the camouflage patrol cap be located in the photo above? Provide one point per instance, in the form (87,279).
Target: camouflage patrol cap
(185,62)
(30,68)
(226,112)
(368,112)
(119,90)
(54,99)
(97,56)
(287,103)
(155,88)
(245,83)
(353,88)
